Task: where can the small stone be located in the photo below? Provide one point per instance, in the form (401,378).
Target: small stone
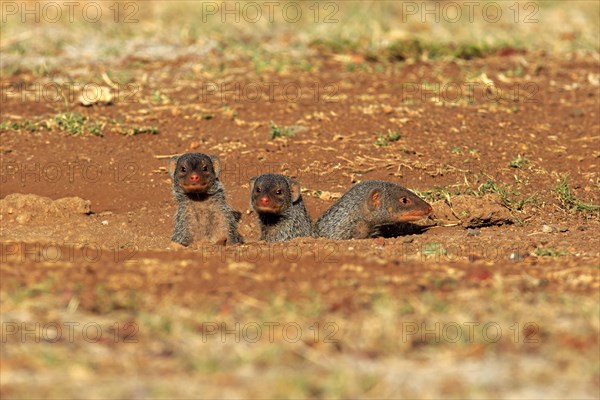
(547,229)
(581,228)
(562,228)
(516,256)
(408,239)
(105,222)
(325,196)
(23,218)
(577,112)
(473,232)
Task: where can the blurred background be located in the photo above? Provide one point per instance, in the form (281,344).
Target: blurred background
(44,35)
(513,179)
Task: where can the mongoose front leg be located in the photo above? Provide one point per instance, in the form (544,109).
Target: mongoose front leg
(219,230)
(362,230)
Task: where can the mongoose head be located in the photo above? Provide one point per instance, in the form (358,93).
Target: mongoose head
(194,172)
(397,203)
(273,193)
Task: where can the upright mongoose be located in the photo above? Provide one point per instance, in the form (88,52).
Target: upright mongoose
(367,206)
(277,201)
(203,213)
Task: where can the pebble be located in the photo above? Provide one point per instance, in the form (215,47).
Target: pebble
(554,228)
(577,112)
(408,239)
(105,222)
(547,229)
(23,218)
(516,256)
(473,232)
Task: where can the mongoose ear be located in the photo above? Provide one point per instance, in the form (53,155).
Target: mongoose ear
(295,189)
(251,182)
(374,199)
(216,161)
(172,165)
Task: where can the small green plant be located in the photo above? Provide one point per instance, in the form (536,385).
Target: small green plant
(437,193)
(72,122)
(30,126)
(456,150)
(504,193)
(350,67)
(95,128)
(570,203)
(433,249)
(6,126)
(280,131)
(543,252)
(394,136)
(383,139)
(516,72)
(518,162)
(159,98)
(136,130)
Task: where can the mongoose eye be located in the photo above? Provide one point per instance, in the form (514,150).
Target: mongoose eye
(205,168)
(404,200)
(278,191)
(257,190)
(182,169)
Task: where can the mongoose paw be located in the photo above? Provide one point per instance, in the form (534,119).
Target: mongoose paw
(175,246)
(237,216)
(221,241)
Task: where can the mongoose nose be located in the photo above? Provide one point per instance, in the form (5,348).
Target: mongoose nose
(264,201)
(195,178)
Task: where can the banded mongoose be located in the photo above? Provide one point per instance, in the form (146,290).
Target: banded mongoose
(277,201)
(203,214)
(367,206)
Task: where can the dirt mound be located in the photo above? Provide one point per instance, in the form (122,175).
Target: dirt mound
(22,208)
(472,212)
